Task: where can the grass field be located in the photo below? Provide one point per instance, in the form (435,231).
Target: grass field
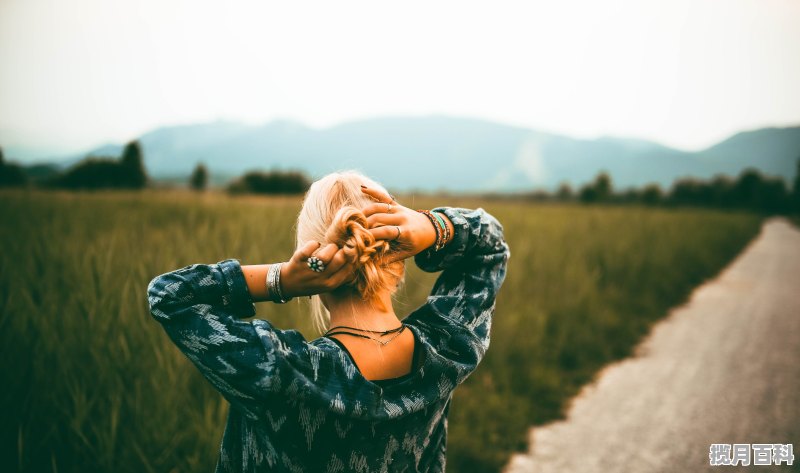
(91,383)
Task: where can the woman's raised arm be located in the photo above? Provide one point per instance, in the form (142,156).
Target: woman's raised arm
(473,263)
(459,310)
(296,279)
(201,307)
(410,231)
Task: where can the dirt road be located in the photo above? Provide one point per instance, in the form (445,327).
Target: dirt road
(724,368)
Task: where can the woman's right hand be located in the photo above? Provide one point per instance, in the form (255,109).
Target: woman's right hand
(297,279)
(410,231)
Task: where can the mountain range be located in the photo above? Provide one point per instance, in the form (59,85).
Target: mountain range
(457,154)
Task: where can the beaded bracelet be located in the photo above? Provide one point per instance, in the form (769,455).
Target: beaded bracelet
(437,244)
(442,232)
(446,230)
(274,292)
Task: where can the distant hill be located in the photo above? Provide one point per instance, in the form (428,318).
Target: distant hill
(446,153)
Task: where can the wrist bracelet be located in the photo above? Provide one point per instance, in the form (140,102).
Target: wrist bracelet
(439,226)
(274,292)
(432,219)
(445,230)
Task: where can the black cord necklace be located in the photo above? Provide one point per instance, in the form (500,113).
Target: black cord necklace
(385,332)
(352,331)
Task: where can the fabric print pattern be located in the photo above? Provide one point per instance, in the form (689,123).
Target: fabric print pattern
(299,405)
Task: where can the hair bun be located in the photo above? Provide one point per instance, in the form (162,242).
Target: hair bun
(349,228)
(331,213)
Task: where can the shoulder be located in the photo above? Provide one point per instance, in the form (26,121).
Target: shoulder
(445,338)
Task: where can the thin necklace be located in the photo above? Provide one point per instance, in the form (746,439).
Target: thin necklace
(385,332)
(396,331)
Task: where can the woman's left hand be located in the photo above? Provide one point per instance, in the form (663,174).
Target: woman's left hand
(298,279)
(410,230)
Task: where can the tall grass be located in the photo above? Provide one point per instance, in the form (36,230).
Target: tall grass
(90,382)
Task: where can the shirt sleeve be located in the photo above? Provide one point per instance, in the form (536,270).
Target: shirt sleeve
(199,307)
(460,307)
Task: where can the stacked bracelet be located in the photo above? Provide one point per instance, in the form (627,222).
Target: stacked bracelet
(445,230)
(442,232)
(274,292)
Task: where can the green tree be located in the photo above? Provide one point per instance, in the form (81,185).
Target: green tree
(11,175)
(598,191)
(652,195)
(105,172)
(564,192)
(603,187)
(199,178)
(132,164)
(755,191)
(721,191)
(796,189)
(691,191)
(273,182)
(92,173)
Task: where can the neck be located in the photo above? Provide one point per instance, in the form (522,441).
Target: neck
(352,311)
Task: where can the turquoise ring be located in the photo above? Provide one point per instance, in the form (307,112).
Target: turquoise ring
(316,264)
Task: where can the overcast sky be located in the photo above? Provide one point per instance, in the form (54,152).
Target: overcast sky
(686,73)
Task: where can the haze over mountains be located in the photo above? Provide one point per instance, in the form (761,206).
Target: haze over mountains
(459,154)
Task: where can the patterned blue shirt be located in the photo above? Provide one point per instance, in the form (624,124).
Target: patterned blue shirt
(300,406)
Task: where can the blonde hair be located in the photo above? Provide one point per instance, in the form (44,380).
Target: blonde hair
(331,213)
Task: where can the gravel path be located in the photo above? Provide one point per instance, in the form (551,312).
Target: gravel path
(724,368)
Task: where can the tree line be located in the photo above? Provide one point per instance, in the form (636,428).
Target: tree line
(749,190)
(128,172)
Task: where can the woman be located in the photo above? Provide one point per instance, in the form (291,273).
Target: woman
(373,393)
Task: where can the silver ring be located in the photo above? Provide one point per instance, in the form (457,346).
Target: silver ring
(399,232)
(389,208)
(316,264)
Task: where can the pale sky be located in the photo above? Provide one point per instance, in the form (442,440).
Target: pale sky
(685,73)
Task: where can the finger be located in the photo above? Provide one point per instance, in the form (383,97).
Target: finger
(344,257)
(378,208)
(326,253)
(339,260)
(377,220)
(388,232)
(377,194)
(305,251)
(352,256)
(346,271)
